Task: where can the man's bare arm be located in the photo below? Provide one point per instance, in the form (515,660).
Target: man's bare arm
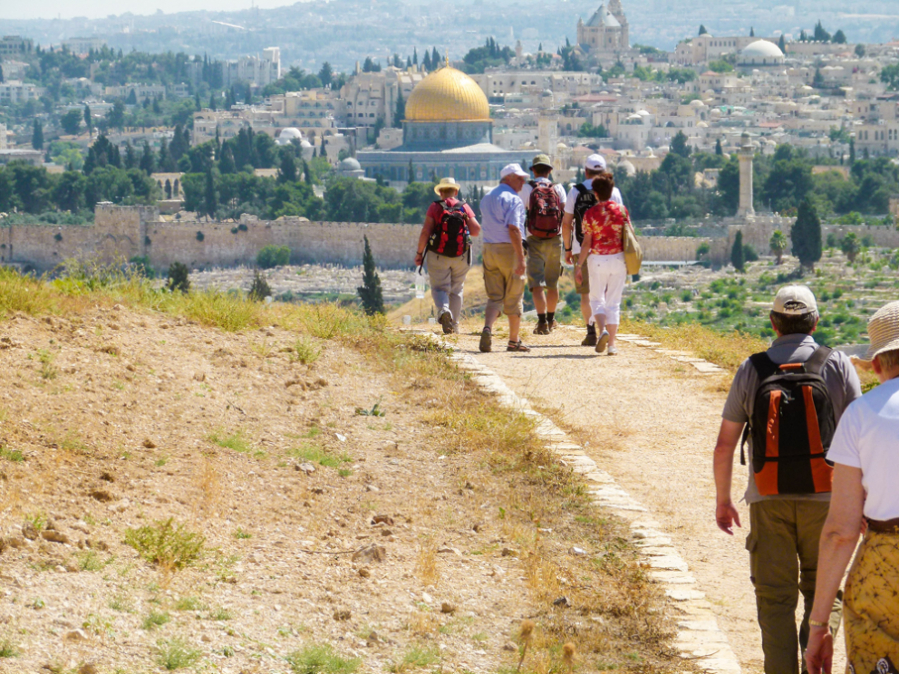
(723,460)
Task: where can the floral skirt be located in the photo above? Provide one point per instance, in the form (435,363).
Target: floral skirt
(870,607)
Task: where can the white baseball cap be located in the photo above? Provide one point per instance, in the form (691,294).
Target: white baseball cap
(795,301)
(513,170)
(595,162)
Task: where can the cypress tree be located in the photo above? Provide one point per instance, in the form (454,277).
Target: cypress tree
(226,162)
(719,150)
(210,197)
(370,291)
(737,252)
(400,112)
(37,136)
(781,44)
(287,173)
(806,235)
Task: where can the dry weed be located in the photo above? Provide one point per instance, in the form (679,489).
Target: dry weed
(427,569)
(422,623)
(210,486)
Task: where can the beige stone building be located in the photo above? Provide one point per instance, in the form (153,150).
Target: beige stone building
(606,32)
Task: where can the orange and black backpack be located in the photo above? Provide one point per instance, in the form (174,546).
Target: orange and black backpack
(792,426)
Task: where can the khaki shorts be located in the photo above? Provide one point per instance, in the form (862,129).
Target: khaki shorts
(544,262)
(504,289)
(583,288)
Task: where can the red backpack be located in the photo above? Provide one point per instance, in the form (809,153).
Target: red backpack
(544,210)
(451,233)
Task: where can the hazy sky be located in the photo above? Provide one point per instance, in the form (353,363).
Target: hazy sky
(47,9)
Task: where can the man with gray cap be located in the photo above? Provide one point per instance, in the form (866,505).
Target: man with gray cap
(791,398)
(503,256)
(578,202)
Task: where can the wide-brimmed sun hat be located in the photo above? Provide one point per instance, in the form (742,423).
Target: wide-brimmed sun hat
(446,184)
(795,301)
(541,160)
(883,328)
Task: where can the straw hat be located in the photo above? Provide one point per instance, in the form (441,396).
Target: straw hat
(883,330)
(446,184)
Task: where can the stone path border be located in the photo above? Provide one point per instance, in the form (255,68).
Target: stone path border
(699,638)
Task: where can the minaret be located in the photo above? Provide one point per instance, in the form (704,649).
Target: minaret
(745,161)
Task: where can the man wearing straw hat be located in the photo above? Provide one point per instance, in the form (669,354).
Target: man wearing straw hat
(865,454)
(791,397)
(447,264)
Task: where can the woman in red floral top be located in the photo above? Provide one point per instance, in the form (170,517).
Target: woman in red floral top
(603,227)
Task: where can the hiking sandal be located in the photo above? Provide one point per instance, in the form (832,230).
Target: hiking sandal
(517,346)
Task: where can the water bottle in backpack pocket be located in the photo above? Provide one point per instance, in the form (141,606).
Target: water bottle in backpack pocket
(791,427)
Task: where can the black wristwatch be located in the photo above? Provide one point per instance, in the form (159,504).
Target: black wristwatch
(568,250)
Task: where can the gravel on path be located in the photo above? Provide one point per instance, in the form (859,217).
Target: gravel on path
(651,422)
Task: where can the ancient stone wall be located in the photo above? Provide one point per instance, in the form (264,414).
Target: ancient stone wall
(123,232)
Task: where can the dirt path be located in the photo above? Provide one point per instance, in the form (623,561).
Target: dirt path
(651,422)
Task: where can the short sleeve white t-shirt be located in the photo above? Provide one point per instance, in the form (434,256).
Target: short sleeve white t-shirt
(867,438)
(572,197)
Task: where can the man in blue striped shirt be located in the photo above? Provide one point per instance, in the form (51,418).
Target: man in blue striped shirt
(503,229)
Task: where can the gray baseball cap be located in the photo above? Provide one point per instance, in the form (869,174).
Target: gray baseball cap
(795,301)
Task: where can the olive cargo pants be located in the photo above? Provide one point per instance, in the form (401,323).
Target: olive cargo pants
(784,547)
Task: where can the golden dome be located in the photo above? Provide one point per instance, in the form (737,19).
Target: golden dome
(447,95)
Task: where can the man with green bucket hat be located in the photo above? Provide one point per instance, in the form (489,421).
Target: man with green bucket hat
(544,203)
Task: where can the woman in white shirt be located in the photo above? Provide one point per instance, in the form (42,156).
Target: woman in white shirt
(865,455)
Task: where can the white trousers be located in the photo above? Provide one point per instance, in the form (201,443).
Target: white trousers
(607,274)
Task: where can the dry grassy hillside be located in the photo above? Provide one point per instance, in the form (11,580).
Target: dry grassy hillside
(202,482)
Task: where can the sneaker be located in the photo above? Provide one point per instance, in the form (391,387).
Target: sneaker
(484,345)
(602,342)
(612,351)
(446,321)
(517,346)
(542,328)
(590,339)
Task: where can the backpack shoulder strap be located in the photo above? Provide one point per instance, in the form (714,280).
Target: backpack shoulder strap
(816,362)
(533,183)
(581,188)
(765,367)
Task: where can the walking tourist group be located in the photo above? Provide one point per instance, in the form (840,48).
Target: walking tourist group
(822,458)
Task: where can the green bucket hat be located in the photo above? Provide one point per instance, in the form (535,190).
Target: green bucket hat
(542,160)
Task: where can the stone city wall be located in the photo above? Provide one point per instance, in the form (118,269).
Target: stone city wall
(758,233)
(123,232)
